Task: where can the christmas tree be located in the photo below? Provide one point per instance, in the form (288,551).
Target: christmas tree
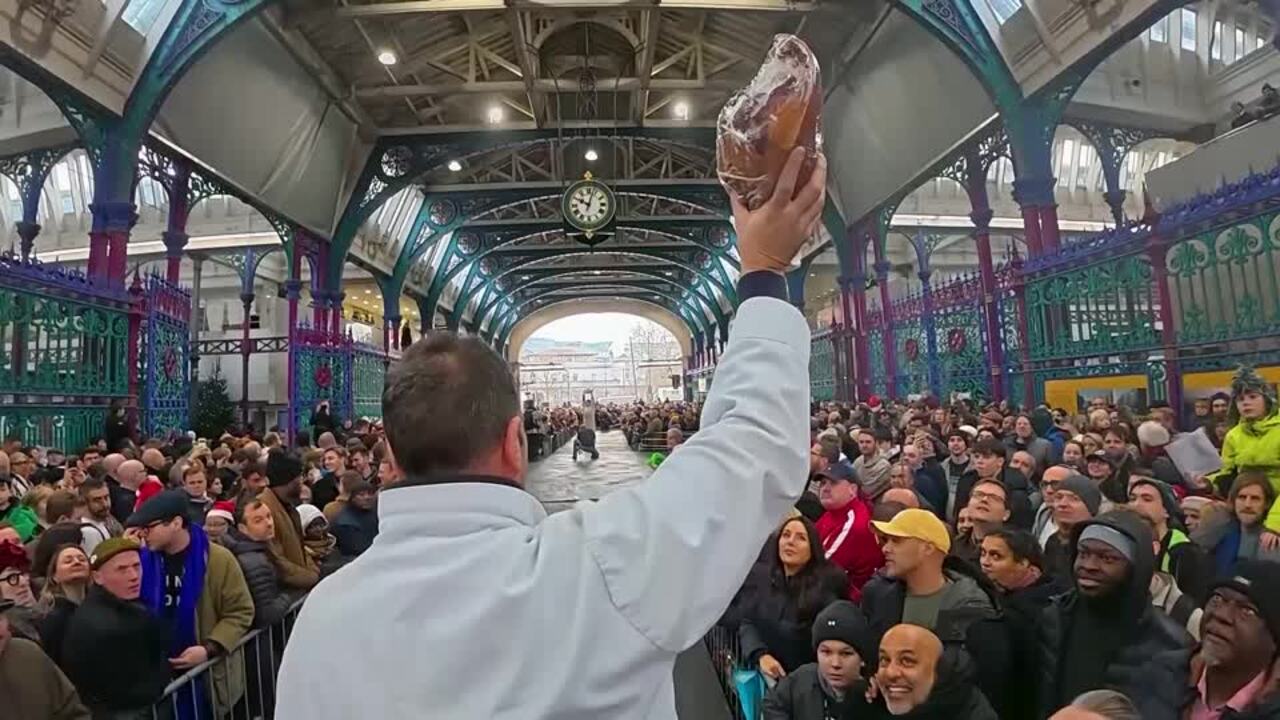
(214,412)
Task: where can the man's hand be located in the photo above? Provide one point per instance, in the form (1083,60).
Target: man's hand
(770,667)
(770,237)
(191,657)
(1269,541)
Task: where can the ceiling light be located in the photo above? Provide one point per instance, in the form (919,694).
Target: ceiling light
(454,166)
(495,115)
(592,156)
(681,110)
(387,57)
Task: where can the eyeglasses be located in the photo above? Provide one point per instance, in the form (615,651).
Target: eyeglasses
(981,495)
(1050,484)
(12,579)
(1240,608)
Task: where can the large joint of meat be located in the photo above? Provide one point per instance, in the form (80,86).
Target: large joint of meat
(759,127)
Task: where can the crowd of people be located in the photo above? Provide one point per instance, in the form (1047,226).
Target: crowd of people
(125,566)
(1026,560)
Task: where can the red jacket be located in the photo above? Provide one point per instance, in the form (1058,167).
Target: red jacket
(851,544)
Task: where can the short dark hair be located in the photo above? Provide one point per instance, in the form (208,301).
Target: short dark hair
(959,434)
(990,446)
(90,484)
(447,376)
(1022,544)
(245,506)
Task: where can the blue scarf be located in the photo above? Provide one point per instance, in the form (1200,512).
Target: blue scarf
(153,572)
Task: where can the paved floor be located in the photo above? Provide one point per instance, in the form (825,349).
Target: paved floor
(560,482)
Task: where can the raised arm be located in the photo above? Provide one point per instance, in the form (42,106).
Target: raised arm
(674,549)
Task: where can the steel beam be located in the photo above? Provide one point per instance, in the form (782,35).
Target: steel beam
(415,7)
(544,85)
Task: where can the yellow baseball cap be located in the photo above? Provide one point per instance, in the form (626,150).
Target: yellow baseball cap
(918,524)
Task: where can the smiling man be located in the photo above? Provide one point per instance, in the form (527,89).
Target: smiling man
(916,678)
(1105,632)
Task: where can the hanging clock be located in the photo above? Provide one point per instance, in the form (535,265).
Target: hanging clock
(589,208)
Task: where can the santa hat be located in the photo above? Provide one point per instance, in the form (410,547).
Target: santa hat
(224,509)
(149,487)
(873,402)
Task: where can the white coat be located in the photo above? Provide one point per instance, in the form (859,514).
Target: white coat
(474,604)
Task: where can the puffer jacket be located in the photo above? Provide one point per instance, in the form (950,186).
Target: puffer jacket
(270,600)
(974,625)
(1150,665)
(1254,445)
(772,621)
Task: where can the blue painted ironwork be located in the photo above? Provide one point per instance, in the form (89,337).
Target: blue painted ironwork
(166,366)
(321,371)
(368,375)
(822,371)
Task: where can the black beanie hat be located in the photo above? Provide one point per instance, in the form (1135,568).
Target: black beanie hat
(282,468)
(1260,582)
(843,621)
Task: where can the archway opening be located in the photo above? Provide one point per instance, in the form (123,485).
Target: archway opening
(612,357)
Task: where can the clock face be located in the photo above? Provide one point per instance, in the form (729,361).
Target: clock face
(588,206)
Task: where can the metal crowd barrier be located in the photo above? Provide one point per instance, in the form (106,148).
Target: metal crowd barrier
(240,684)
(726,656)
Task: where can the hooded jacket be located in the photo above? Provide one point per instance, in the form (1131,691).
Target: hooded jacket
(1144,654)
(1255,444)
(954,695)
(969,621)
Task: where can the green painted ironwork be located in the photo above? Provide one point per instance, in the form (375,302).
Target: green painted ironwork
(321,371)
(822,369)
(1101,309)
(53,345)
(875,355)
(1225,283)
(912,375)
(67,427)
(368,375)
(962,346)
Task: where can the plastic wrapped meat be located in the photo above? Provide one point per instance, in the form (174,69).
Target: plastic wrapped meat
(759,127)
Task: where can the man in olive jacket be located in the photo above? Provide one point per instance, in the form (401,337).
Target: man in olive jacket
(196,585)
(298,570)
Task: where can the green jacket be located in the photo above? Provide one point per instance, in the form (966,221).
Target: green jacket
(1256,445)
(22,518)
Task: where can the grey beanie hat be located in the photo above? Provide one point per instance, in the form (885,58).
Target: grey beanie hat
(1083,488)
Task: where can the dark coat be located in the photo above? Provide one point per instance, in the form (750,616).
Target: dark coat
(799,696)
(1019,491)
(116,653)
(32,687)
(954,696)
(1150,665)
(1023,609)
(355,530)
(1265,709)
(325,490)
(977,629)
(771,620)
(270,601)
(122,499)
(53,627)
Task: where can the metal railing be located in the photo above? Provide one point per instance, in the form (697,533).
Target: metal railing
(239,684)
(725,650)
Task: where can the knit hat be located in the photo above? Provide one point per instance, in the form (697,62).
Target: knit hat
(1248,380)
(110,548)
(1083,488)
(1167,497)
(1152,434)
(282,468)
(1041,421)
(13,555)
(163,507)
(308,513)
(843,621)
(1260,582)
(224,509)
(147,490)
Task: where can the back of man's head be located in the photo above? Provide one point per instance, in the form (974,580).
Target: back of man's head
(463,391)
